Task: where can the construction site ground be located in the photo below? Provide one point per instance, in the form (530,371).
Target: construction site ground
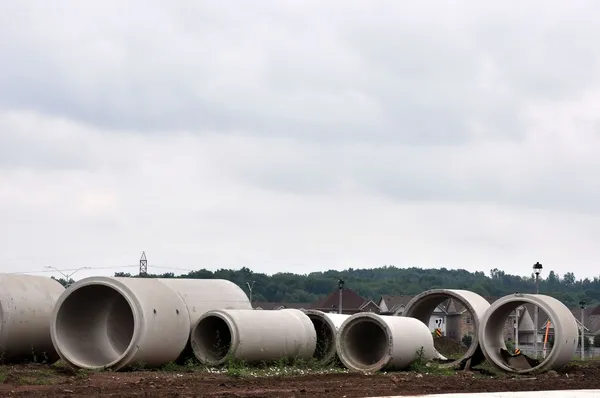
(58,381)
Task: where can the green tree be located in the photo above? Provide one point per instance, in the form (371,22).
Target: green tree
(371,283)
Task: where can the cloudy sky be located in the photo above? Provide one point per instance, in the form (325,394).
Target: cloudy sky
(300,135)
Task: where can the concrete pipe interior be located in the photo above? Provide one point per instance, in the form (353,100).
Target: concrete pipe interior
(96,325)
(494,339)
(453,352)
(325,336)
(366,342)
(212,338)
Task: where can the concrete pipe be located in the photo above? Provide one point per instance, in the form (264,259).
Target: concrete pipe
(491,334)
(114,323)
(202,295)
(423,305)
(326,325)
(26,305)
(368,342)
(253,336)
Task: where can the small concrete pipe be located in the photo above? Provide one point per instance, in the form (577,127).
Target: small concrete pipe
(326,325)
(26,305)
(368,342)
(253,336)
(423,305)
(114,323)
(491,336)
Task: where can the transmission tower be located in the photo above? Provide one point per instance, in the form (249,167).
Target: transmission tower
(143,264)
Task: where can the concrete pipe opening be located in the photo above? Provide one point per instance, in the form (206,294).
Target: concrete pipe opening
(492,338)
(96,326)
(368,342)
(212,339)
(326,326)
(468,308)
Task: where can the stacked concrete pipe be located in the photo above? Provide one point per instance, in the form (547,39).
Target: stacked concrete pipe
(422,306)
(26,305)
(253,336)
(326,326)
(491,336)
(368,342)
(114,323)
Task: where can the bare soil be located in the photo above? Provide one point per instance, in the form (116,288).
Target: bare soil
(44,381)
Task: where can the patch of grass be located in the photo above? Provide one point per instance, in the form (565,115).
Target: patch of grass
(235,367)
(139,366)
(486,369)
(283,367)
(34,380)
(189,365)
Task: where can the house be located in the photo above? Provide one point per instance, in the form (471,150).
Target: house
(395,305)
(455,321)
(352,303)
(264,305)
(591,323)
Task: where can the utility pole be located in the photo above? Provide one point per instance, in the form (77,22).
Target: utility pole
(250,287)
(143,265)
(537,269)
(516,329)
(341,287)
(67,276)
(582,306)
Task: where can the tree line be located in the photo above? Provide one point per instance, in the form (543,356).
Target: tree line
(372,283)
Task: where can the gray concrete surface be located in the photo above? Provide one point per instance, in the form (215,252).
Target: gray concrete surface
(368,342)
(422,306)
(26,305)
(253,336)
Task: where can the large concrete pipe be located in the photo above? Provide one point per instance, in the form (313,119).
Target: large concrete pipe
(104,322)
(326,325)
(491,333)
(26,305)
(423,305)
(368,342)
(253,336)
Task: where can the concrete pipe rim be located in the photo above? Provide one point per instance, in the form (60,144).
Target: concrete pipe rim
(75,289)
(330,354)
(519,300)
(443,295)
(197,340)
(347,357)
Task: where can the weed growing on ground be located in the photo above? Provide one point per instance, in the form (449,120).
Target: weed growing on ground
(421,365)
(418,365)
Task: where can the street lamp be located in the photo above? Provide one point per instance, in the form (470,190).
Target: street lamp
(250,286)
(341,286)
(67,276)
(582,306)
(537,269)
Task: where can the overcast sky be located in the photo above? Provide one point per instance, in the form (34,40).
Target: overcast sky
(300,135)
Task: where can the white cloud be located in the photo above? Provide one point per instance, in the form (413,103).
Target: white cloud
(300,136)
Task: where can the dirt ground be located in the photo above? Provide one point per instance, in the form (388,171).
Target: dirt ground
(44,381)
